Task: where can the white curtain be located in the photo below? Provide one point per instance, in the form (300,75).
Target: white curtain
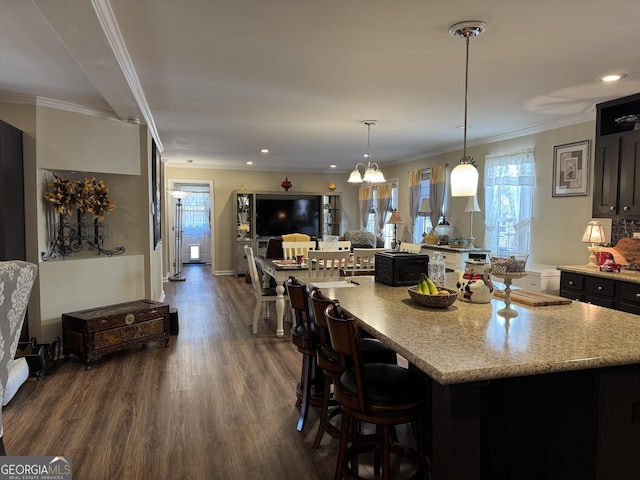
(195,213)
(509,180)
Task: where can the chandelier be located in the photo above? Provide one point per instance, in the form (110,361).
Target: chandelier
(371,171)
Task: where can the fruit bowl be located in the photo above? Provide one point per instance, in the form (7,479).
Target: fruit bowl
(434,301)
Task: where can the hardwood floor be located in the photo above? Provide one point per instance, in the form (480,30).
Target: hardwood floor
(218,403)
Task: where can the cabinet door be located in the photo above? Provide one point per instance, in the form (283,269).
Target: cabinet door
(605,185)
(629,195)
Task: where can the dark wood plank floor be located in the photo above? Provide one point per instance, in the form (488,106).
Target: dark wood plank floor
(218,403)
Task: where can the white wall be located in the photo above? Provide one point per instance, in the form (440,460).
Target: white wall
(75,146)
(225,181)
(558,222)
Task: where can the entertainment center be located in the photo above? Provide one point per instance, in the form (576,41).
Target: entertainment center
(259,216)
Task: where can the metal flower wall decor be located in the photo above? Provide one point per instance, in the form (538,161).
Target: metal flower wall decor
(88,196)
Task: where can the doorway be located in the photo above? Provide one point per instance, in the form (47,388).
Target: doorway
(197,223)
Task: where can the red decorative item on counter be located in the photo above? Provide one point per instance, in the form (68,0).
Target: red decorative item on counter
(286,184)
(602,257)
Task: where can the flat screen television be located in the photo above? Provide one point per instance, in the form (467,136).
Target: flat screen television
(276,215)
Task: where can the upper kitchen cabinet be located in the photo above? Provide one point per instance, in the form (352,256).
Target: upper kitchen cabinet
(616,190)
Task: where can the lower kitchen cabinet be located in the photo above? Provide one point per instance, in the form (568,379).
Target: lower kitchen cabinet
(611,290)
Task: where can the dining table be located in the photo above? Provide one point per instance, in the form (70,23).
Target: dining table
(552,392)
(281,269)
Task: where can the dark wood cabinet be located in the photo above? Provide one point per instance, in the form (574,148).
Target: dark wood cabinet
(607,292)
(12,216)
(616,186)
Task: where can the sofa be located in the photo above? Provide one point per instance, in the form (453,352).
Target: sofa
(362,239)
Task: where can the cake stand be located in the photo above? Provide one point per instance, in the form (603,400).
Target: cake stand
(507,311)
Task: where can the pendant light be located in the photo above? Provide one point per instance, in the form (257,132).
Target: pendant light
(372,172)
(464,177)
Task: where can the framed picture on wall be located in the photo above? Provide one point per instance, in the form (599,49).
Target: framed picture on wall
(156,194)
(571,169)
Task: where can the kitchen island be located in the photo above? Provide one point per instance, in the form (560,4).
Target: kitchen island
(552,393)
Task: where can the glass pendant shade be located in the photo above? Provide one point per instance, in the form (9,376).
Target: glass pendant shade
(355,177)
(464,180)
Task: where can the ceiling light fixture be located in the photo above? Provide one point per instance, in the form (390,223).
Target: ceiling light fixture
(372,172)
(613,77)
(464,177)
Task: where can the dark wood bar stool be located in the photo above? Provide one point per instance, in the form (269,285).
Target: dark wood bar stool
(328,360)
(376,393)
(304,337)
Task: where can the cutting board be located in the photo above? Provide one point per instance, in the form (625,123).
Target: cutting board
(533,299)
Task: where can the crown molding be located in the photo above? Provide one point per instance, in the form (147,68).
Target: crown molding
(112,32)
(57,105)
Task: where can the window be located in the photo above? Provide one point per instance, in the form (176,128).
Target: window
(509,180)
(423,224)
(387,231)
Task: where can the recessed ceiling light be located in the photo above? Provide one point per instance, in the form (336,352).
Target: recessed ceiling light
(249,162)
(332,166)
(613,77)
(264,150)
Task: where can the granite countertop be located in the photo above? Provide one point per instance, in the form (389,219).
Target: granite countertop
(632,276)
(470,342)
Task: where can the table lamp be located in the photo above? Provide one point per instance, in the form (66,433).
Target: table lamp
(424,211)
(472,206)
(395,220)
(594,233)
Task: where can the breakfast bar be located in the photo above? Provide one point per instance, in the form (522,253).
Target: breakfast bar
(554,391)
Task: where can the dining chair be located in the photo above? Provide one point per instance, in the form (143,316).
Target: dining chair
(410,247)
(380,394)
(340,244)
(327,264)
(262,295)
(291,249)
(16,281)
(364,261)
(304,337)
(296,237)
(373,351)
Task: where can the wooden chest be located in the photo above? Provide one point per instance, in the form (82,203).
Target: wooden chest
(98,331)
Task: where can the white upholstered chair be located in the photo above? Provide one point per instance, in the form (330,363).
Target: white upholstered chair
(327,264)
(16,280)
(263,295)
(291,249)
(410,247)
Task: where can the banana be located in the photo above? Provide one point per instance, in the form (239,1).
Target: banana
(423,287)
(433,290)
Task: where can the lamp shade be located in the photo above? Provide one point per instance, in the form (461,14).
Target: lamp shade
(594,233)
(464,180)
(472,205)
(425,208)
(394,219)
(178,194)
(355,177)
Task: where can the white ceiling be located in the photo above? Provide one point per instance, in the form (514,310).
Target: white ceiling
(217,80)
